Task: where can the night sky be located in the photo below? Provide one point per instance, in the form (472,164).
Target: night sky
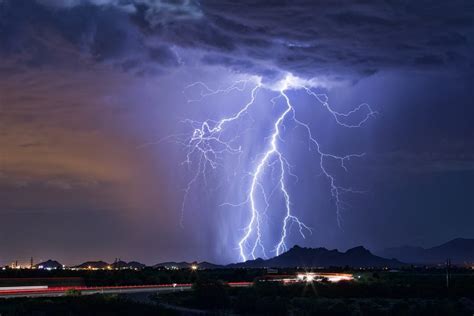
(90,90)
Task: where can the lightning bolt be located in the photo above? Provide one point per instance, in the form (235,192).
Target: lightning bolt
(207,147)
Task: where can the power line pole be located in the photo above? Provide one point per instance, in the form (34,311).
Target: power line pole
(448,266)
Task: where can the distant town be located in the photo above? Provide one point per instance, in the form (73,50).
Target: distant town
(457,252)
(202,287)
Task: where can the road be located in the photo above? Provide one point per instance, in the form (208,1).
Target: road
(61,291)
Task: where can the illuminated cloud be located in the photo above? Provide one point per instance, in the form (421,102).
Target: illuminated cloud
(343,40)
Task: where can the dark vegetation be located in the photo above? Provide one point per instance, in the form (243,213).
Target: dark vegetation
(374,293)
(321,299)
(124,277)
(78,305)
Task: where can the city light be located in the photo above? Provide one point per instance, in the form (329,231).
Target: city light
(306,277)
(310,277)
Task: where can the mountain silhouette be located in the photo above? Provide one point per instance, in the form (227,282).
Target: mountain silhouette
(49,264)
(187,265)
(459,250)
(321,257)
(172,265)
(127,265)
(92,265)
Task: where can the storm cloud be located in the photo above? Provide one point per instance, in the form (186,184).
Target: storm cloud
(339,40)
(84,84)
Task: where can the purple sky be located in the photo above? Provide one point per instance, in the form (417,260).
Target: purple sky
(85,84)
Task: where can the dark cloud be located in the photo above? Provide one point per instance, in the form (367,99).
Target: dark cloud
(41,34)
(349,37)
(429,60)
(338,39)
(77,102)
